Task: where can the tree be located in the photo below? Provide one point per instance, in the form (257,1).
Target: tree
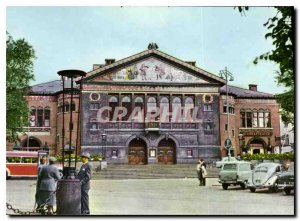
(19,71)
(280,30)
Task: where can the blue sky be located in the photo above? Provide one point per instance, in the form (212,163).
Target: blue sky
(214,37)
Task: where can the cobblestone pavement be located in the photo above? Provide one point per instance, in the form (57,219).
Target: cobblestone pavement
(164,197)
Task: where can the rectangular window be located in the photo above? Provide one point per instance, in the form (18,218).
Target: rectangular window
(232,133)
(261,119)
(189,153)
(207,107)
(226,127)
(208,127)
(93,106)
(94,126)
(255,122)
(47,118)
(249,119)
(243,120)
(114,154)
(267,120)
(40,117)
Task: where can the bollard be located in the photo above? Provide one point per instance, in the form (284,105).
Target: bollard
(69,197)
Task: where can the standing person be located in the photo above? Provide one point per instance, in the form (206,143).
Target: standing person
(43,162)
(47,184)
(84,175)
(201,172)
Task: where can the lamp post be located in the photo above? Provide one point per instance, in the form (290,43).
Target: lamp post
(103,143)
(103,164)
(228,77)
(69,191)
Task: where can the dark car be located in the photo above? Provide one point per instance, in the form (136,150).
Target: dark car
(286,179)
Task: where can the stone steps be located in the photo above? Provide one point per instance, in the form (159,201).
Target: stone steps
(120,171)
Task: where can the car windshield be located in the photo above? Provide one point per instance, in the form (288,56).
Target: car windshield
(262,169)
(231,159)
(229,167)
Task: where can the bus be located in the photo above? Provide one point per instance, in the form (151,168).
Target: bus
(24,163)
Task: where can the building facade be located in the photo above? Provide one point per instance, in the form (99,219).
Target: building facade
(152,108)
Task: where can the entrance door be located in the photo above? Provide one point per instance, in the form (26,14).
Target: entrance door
(166,152)
(137,152)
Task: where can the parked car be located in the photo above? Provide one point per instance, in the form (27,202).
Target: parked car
(265,175)
(219,164)
(235,173)
(286,179)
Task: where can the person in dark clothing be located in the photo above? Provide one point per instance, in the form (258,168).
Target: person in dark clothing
(84,175)
(201,172)
(47,184)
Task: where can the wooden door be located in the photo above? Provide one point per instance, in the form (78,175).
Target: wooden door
(166,155)
(137,155)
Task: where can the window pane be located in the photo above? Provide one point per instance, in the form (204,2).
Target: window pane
(243,123)
(40,117)
(249,119)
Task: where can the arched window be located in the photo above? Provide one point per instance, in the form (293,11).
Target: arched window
(32,118)
(66,107)
(139,109)
(40,116)
(151,108)
(126,103)
(243,118)
(254,118)
(176,109)
(188,109)
(113,103)
(267,118)
(47,117)
(164,109)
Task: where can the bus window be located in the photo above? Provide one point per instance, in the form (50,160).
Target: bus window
(13,159)
(34,159)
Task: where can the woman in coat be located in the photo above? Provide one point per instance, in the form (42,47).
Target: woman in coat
(47,184)
(201,171)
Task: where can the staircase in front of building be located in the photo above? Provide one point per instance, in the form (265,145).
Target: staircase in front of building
(151,171)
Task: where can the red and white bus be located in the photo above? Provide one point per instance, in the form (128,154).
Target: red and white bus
(23,163)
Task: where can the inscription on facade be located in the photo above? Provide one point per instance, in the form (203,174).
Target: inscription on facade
(258,132)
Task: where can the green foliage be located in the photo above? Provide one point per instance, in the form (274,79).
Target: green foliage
(280,31)
(96,157)
(270,156)
(19,71)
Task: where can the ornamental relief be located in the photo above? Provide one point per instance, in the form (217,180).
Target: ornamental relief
(152,70)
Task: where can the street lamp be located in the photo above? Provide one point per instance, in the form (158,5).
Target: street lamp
(69,191)
(228,77)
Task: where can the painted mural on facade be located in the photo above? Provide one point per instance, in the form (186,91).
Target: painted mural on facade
(152,70)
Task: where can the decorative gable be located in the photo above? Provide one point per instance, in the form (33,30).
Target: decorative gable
(150,70)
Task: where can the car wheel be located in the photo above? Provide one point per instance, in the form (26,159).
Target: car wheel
(252,190)
(287,191)
(243,185)
(225,186)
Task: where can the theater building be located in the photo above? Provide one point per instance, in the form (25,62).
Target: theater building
(177,117)
(153,108)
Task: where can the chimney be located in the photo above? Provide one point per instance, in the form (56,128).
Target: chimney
(96,66)
(109,61)
(252,87)
(193,63)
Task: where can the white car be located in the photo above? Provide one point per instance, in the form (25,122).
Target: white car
(219,164)
(265,175)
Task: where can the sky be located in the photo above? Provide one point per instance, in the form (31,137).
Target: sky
(215,37)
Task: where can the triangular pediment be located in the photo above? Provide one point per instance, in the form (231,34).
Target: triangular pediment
(152,66)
